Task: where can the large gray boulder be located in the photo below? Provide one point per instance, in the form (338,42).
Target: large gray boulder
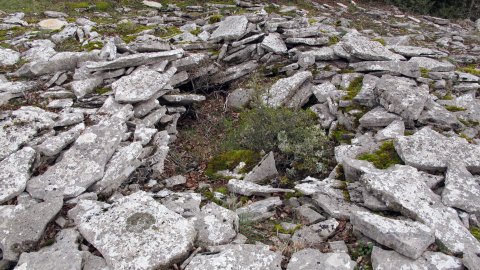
(310,259)
(216,225)
(366,49)
(22,225)
(405,189)
(231,28)
(15,172)
(237,257)
(408,238)
(284,89)
(432,64)
(386,259)
(274,43)
(135,232)
(431,151)
(402,96)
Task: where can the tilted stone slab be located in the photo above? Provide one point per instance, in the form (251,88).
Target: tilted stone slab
(135,232)
(462,189)
(231,28)
(15,172)
(394,67)
(309,259)
(366,49)
(284,89)
(216,225)
(389,259)
(249,188)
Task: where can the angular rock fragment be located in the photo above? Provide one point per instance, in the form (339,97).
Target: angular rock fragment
(392,131)
(259,210)
(236,257)
(248,188)
(186,204)
(411,51)
(383,260)
(432,64)
(216,225)
(231,28)
(54,145)
(394,67)
(462,189)
(234,72)
(408,238)
(307,259)
(363,48)
(185,99)
(284,89)
(274,43)
(135,232)
(15,172)
(264,170)
(377,117)
(8,57)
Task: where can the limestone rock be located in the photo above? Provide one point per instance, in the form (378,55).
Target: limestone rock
(8,57)
(231,28)
(284,89)
(432,64)
(247,188)
(462,189)
(363,48)
(52,24)
(394,67)
(259,210)
(236,257)
(392,131)
(264,170)
(377,117)
(135,232)
(384,260)
(307,259)
(54,145)
(408,238)
(274,43)
(216,225)
(15,172)
(186,204)
(184,99)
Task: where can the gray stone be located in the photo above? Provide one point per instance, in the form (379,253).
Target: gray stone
(431,151)
(231,28)
(60,103)
(320,54)
(411,51)
(408,238)
(236,257)
(83,164)
(83,87)
(432,64)
(404,189)
(326,228)
(308,41)
(462,189)
(216,225)
(384,260)
(393,67)
(392,131)
(52,24)
(377,117)
(470,259)
(367,95)
(143,134)
(437,115)
(152,4)
(338,247)
(54,145)
(306,237)
(8,57)
(141,85)
(15,172)
(134,60)
(309,259)
(307,215)
(10,90)
(363,48)
(184,99)
(402,96)
(157,160)
(22,225)
(55,14)
(284,89)
(63,254)
(234,72)
(123,163)
(274,43)
(135,232)
(240,98)
(264,170)
(247,188)
(175,181)
(92,262)
(186,204)
(259,210)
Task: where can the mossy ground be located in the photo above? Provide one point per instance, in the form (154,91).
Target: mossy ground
(354,88)
(231,159)
(384,157)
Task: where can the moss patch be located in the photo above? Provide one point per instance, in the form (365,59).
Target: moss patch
(279,229)
(333,40)
(424,72)
(380,40)
(229,160)
(383,158)
(341,135)
(454,108)
(475,231)
(470,69)
(168,32)
(354,88)
(215,18)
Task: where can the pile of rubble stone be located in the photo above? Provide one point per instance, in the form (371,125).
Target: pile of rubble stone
(84,145)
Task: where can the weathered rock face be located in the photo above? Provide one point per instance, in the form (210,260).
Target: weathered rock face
(259,210)
(284,89)
(404,189)
(383,260)
(15,172)
(265,170)
(363,48)
(313,259)
(462,189)
(216,225)
(231,28)
(274,43)
(431,151)
(135,232)
(54,145)
(432,64)
(237,257)
(83,164)
(22,225)
(248,188)
(406,237)
(8,57)
(394,67)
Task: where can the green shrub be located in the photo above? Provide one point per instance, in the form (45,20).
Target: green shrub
(475,232)
(383,158)
(470,69)
(301,146)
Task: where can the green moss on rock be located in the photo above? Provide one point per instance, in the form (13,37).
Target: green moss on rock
(229,160)
(383,158)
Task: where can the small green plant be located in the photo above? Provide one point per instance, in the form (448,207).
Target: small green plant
(469,123)
(103,6)
(452,108)
(78,5)
(312,21)
(447,97)
(168,32)
(408,133)
(93,46)
(102,90)
(424,72)
(197,31)
(346,70)
(279,229)
(384,157)
(229,160)
(223,190)
(341,135)
(215,18)
(354,88)
(272,9)
(333,40)
(380,40)
(475,231)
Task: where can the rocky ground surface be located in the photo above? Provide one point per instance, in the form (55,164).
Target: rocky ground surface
(102,110)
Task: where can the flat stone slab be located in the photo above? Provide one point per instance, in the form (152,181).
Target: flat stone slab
(249,188)
(15,172)
(54,145)
(386,259)
(405,189)
(52,24)
(216,225)
(431,151)
(237,257)
(274,43)
(432,64)
(284,89)
(378,117)
(22,225)
(462,189)
(412,51)
(395,67)
(309,259)
(408,238)
(259,210)
(184,99)
(8,57)
(402,96)
(141,85)
(231,28)
(135,232)
(264,170)
(366,49)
